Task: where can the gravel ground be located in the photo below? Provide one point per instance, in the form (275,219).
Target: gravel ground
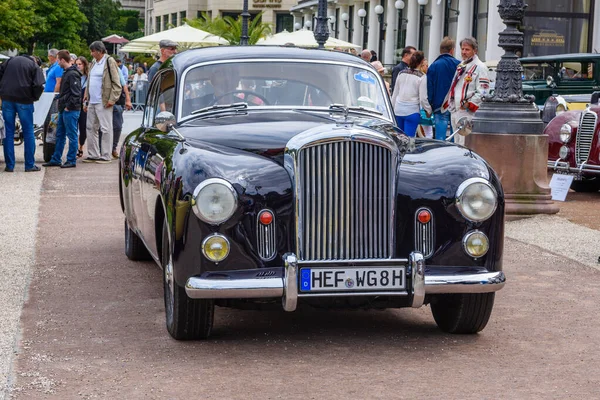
(17,249)
(20,197)
(17,232)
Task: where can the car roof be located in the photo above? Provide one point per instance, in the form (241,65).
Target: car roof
(562,57)
(224,53)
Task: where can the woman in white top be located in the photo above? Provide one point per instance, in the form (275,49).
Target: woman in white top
(410,95)
(140,75)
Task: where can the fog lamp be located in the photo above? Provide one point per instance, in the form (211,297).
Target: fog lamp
(476,244)
(563,152)
(215,247)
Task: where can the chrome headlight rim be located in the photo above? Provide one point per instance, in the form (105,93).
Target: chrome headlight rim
(205,241)
(204,184)
(565,133)
(459,200)
(468,236)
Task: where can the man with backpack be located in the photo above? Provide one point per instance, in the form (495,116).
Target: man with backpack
(102,93)
(69,107)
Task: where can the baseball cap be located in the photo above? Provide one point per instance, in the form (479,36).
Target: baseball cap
(167,43)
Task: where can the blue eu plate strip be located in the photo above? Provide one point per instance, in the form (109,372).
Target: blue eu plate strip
(305,279)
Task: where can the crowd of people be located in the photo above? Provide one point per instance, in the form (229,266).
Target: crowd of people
(434,97)
(92,95)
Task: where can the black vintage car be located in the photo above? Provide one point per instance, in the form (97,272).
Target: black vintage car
(265,175)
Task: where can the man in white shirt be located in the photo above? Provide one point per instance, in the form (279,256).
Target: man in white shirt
(102,92)
(469,84)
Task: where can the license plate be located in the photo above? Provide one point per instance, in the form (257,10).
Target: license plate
(352,279)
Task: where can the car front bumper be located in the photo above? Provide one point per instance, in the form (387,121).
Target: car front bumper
(283,283)
(564,167)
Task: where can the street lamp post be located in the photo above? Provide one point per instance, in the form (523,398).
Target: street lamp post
(507,129)
(322,30)
(245,16)
(382,25)
(399,5)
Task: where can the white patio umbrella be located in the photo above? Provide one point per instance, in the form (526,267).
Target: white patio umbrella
(304,38)
(185,35)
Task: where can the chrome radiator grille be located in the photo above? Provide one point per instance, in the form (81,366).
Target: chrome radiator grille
(266,239)
(424,240)
(585,135)
(345,201)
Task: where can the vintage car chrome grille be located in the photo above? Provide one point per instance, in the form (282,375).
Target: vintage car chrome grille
(266,239)
(345,201)
(424,240)
(585,136)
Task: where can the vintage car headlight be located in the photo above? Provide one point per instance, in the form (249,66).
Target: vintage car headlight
(215,247)
(565,133)
(476,244)
(563,152)
(214,201)
(476,199)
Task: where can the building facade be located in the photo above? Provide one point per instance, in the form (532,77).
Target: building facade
(137,5)
(549,27)
(161,14)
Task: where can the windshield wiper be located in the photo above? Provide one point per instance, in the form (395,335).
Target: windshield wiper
(346,109)
(220,107)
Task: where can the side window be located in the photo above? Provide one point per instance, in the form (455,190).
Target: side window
(151,105)
(165,94)
(576,71)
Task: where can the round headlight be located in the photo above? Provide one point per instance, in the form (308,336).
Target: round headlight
(214,201)
(565,133)
(476,199)
(560,109)
(476,244)
(215,247)
(563,152)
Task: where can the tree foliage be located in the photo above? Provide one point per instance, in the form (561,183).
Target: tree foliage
(230,28)
(16,22)
(102,16)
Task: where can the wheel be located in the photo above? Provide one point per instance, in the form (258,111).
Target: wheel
(187,319)
(135,249)
(586,185)
(462,313)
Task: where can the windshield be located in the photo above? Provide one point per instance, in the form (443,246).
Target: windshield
(298,84)
(538,71)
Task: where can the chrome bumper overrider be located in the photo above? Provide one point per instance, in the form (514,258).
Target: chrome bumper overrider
(563,166)
(241,284)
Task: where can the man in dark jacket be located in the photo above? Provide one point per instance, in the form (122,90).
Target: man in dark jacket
(407,52)
(69,107)
(21,84)
(439,79)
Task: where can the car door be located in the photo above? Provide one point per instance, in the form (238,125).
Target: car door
(155,146)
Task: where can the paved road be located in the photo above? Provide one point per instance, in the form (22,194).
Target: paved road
(93,324)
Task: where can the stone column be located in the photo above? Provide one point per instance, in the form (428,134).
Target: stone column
(357,37)
(507,129)
(391,19)
(373,32)
(436,30)
(596,35)
(465,23)
(412,28)
(342,28)
(495,26)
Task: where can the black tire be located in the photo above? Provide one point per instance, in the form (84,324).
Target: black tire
(135,249)
(462,313)
(186,319)
(586,185)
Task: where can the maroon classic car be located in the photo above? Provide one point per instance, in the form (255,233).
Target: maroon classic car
(574,146)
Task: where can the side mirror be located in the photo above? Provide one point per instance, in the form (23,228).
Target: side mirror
(464,127)
(164,121)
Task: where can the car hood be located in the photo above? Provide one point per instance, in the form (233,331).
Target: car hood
(266,133)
